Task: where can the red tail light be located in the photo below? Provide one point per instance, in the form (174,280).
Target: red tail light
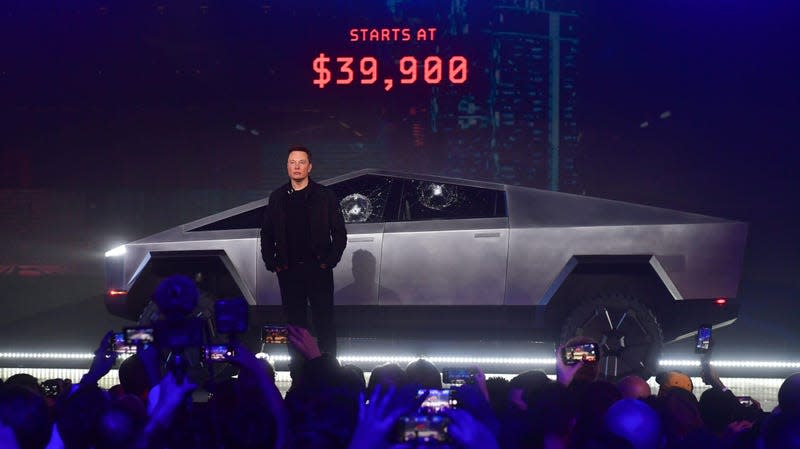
(721,301)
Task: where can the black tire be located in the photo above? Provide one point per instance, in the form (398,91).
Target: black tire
(629,335)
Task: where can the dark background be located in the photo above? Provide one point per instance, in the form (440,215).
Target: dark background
(120,119)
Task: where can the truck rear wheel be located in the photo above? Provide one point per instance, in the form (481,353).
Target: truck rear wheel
(629,335)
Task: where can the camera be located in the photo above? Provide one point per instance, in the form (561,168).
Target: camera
(54,387)
(458,376)
(275,334)
(586,352)
(704,342)
(428,424)
(217,353)
(745,401)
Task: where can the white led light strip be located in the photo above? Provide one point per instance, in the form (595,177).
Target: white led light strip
(46,355)
(733,364)
(440,360)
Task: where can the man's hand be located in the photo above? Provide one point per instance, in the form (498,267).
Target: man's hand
(565,373)
(104,358)
(376,419)
(468,431)
(480,382)
(304,342)
(709,374)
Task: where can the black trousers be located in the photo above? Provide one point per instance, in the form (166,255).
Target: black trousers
(304,284)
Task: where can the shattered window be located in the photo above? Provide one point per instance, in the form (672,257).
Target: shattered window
(363,199)
(426,200)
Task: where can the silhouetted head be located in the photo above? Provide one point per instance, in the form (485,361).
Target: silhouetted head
(176,296)
(386,375)
(633,387)
(680,414)
(593,402)
(78,417)
(424,374)
(499,389)
(673,379)
(781,431)
(120,426)
(789,394)
(636,422)
(522,386)
(718,409)
(26,381)
(354,376)
(133,377)
(25,412)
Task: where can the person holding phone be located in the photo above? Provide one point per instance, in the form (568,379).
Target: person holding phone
(302,238)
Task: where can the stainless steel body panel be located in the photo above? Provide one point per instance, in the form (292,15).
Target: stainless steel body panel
(240,258)
(699,267)
(425,264)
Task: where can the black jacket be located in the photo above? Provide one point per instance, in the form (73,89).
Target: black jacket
(327,231)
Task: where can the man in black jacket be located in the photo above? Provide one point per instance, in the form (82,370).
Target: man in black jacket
(302,239)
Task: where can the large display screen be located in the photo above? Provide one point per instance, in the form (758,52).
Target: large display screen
(122,119)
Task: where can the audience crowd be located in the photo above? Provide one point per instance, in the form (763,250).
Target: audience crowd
(330,406)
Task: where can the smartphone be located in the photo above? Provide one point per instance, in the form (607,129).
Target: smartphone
(275,334)
(704,341)
(436,400)
(141,335)
(53,387)
(746,401)
(217,353)
(586,352)
(423,428)
(458,376)
(120,346)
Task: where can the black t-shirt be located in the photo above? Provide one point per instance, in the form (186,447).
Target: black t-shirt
(298,233)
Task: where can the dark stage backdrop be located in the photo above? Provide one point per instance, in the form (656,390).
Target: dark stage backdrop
(119,119)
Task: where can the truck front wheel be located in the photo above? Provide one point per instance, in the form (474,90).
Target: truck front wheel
(629,335)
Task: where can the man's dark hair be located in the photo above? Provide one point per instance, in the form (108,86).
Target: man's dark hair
(78,417)
(424,374)
(789,394)
(386,374)
(303,149)
(133,376)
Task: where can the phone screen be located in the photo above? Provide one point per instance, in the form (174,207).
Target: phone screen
(120,346)
(275,334)
(436,400)
(703,343)
(587,352)
(458,376)
(423,429)
(217,353)
(138,335)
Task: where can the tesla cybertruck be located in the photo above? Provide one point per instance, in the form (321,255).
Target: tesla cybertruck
(431,256)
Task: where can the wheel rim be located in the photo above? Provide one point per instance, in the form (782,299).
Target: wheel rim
(624,340)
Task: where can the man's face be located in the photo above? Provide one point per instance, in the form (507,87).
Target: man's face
(298,166)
